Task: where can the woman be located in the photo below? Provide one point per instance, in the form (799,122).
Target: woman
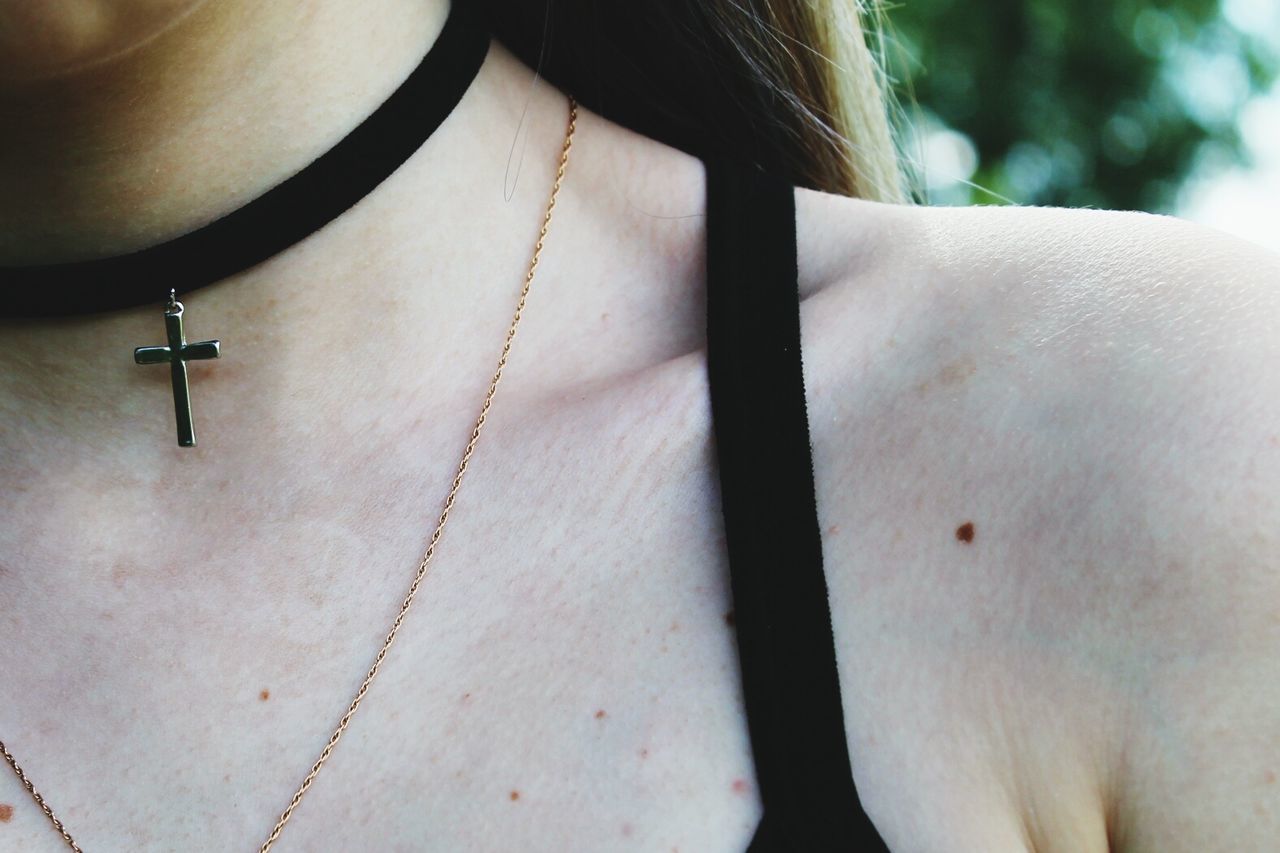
(1044,454)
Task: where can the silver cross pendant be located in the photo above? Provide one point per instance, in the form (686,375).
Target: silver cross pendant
(177,354)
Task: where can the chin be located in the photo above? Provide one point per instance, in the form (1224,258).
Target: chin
(42,39)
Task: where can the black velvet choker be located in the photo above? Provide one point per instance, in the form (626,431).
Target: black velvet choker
(280,217)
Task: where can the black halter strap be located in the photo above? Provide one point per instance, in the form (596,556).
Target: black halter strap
(280,217)
(781,612)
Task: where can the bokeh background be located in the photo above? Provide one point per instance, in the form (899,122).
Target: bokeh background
(1167,106)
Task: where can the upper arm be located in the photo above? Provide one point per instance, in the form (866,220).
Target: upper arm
(1198,762)
(1165,341)
(1100,393)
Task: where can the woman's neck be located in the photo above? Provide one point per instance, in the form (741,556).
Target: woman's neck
(192,123)
(398,303)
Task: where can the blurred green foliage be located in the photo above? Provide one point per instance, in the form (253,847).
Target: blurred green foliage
(1103,103)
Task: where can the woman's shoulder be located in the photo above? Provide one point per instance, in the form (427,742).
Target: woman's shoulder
(1009,244)
(1047,458)
(1137,315)
(1051,438)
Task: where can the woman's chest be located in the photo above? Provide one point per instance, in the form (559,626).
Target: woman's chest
(566,678)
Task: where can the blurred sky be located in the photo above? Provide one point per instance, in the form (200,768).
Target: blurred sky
(1244,200)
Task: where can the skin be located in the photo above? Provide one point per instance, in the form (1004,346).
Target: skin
(1095,392)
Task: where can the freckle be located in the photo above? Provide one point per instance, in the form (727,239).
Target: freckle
(833,530)
(264,695)
(466,697)
(515,795)
(627,829)
(226,777)
(1270,777)
(600,714)
(740,786)
(728,618)
(675,626)
(119,575)
(644,753)
(965,532)
(6,812)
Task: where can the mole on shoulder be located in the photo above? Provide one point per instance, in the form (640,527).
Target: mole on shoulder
(600,714)
(265,694)
(515,795)
(728,618)
(965,532)
(6,812)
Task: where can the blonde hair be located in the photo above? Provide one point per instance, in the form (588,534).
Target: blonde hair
(818,54)
(793,86)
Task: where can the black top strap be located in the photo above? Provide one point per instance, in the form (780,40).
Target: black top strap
(761,428)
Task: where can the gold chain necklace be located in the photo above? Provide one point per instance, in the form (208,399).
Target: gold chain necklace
(426,557)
